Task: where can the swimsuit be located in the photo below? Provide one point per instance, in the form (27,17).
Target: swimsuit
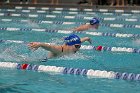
(63,49)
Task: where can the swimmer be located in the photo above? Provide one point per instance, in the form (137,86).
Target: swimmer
(71,46)
(93,23)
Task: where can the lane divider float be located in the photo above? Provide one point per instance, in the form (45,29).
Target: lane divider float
(89,47)
(79,9)
(50,11)
(73,71)
(52,16)
(118,35)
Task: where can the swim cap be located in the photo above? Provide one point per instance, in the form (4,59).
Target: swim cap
(72,40)
(94,21)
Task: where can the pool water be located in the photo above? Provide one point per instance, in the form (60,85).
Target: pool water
(21,81)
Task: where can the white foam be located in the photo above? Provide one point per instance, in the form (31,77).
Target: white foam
(32,24)
(136,42)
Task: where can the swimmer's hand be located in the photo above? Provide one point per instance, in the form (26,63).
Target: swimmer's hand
(86,39)
(89,40)
(34,45)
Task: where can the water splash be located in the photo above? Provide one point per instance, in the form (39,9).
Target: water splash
(56,41)
(136,42)
(32,24)
(21,53)
(76,56)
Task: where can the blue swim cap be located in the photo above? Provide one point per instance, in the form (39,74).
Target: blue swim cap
(94,21)
(72,40)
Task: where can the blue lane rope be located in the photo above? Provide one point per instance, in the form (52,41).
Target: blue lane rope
(69,17)
(118,35)
(72,71)
(77,23)
(102,19)
(89,47)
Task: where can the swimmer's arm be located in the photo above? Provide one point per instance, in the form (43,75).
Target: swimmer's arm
(86,39)
(36,45)
(81,28)
(52,48)
(45,46)
(74,29)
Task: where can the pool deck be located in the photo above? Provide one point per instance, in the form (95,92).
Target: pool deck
(12,5)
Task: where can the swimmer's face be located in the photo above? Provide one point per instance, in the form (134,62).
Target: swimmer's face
(77,46)
(95,26)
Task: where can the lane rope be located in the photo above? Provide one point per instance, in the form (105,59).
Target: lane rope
(68,17)
(68,23)
(89,47)
(78,9)
(50,11)
(72,71)
(117,35)
(53,16)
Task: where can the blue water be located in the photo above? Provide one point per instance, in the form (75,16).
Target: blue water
(17,81)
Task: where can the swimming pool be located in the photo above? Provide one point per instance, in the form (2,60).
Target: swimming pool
(118,34)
